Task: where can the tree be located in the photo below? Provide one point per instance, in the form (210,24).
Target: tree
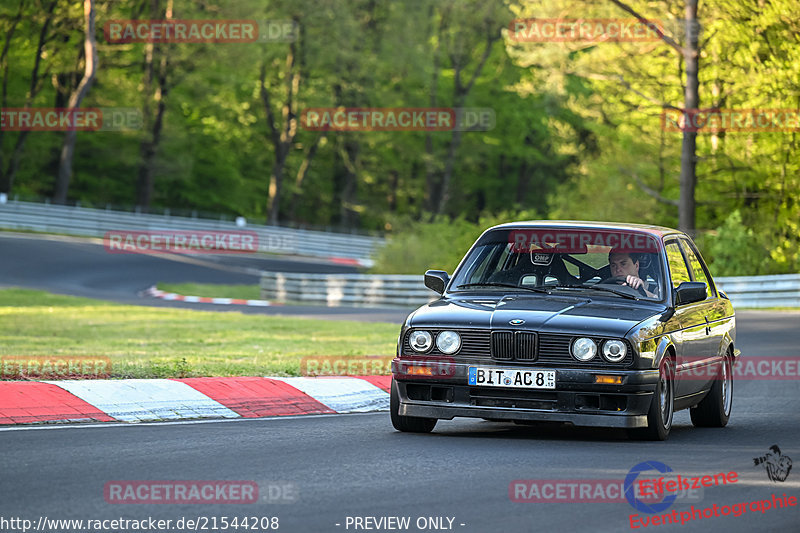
(281,134)
(90,70)
(37,78)
(691,56)
(156,87)
(460,37)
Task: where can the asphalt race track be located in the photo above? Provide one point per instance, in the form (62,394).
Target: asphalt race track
(78,267)
(342,466)
(358,466)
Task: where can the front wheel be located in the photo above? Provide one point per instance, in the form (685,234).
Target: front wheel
(715,409)
(659,417)
(410,424)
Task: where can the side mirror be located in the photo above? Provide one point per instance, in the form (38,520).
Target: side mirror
(690,291)
(436,280)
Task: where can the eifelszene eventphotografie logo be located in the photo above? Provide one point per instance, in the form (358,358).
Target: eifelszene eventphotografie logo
(777,465)
(637,503)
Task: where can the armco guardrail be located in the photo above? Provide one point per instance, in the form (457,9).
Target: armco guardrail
(357,290)
(365,290)
(762,291)
(88,222)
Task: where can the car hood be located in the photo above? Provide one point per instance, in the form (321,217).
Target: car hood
(551,314)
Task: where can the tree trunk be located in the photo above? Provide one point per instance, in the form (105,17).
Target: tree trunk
(431,181)
(281,136)
(686,207)
(450,162)
(301,175)
(460,93)
(68,148)
(148,148)
(276,184)
(394,185)
(350,154)
(523,179)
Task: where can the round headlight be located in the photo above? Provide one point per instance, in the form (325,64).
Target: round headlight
(614,351)
(448,342)
(420,340)
(584,349)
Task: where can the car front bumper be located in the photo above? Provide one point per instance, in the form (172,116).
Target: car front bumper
(577,398)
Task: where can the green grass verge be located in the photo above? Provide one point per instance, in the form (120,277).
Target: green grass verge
(246,292)
(147,342)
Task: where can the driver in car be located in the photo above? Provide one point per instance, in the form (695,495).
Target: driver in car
(627,265)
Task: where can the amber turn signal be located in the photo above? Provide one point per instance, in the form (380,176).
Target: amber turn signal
(608,380)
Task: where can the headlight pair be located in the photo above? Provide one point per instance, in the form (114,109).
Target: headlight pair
(448,342)
(584,349)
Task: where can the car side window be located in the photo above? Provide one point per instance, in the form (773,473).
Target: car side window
(487,258)
(677,265)
(696,264)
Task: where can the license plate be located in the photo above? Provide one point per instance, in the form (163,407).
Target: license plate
(485,376)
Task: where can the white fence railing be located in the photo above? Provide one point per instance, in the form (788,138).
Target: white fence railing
(88,222)
(762,291)
(364,290)
(356,290)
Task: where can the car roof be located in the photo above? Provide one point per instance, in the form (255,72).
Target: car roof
(658,231)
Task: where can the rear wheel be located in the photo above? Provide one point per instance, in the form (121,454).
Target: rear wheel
(410,424)
(659,417)
(715,409)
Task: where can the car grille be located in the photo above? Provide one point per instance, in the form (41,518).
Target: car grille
(514,345)
(519,347)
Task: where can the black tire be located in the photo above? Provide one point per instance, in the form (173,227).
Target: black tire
(411,424)
(662,408)
(714,410)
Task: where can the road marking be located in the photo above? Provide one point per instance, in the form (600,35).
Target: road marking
(179,422)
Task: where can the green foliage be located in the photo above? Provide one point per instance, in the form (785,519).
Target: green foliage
(578,130)
(736,249)
(245,292)
(414,247)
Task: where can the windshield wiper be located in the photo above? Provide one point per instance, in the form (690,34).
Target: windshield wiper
(509,285)
(606,289)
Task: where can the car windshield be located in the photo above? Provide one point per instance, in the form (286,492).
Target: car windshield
(590,262)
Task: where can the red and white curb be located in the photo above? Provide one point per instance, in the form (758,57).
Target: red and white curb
(158,293)
(367,263)
(144,400)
